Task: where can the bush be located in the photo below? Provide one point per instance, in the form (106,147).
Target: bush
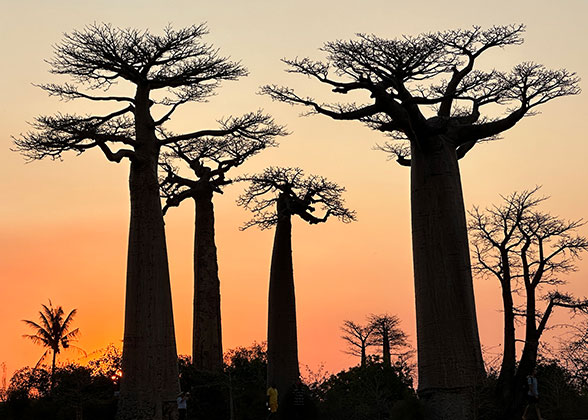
(75,392)
(240,387)
(374,392)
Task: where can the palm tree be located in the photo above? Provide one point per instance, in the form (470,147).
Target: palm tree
(53,332)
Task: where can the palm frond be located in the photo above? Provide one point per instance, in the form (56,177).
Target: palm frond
(41,359)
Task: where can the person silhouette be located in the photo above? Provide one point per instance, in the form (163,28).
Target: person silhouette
(183,405)
(532,395)
(272,400)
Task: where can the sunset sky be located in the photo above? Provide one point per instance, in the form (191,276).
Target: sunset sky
(63,224)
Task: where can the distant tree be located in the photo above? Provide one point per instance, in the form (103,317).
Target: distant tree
(358,338)
(403,78)
(386,334)
(210,159)
(164,72)
(53,332)
(516,243)
(275,196)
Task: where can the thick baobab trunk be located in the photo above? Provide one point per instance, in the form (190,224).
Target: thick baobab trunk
(207,350)
(363,356)
(149,385)
(449,357)
(282,342)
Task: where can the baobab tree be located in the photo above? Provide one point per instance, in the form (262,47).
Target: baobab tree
(275,196)
(210,159)
(381,330)
(404,78)
(386,334)
(524,247)
(161,73)
(54,332)
(358,338)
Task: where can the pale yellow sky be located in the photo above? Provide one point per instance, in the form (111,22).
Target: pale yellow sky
(63,225)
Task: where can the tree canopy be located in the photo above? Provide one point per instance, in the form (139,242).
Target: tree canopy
(407,76)
(176,63)
(304,195)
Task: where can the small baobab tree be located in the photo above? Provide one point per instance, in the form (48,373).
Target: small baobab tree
(160,74)
(358,338)
(54,332)
(210,159)
(401,80)
(525,248)
(275,196)
(386,334)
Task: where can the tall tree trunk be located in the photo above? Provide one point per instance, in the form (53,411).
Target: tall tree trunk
(449,357)
(506,385)
(52,379)
(150,384)
(363,355)
(386,349)
(207,350)
(282,342)
(528,358)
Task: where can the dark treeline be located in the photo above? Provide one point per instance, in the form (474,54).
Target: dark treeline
(238,392)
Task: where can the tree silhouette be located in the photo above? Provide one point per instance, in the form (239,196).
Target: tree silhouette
(54,332)
(358,338)
(107,362)
(274,196)
(516,243)
(210,159)
(164,72)
(387,334)
(402,77)
(574,355)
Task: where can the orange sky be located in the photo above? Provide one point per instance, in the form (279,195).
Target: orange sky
(63,225)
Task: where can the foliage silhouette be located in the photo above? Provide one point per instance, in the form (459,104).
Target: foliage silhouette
(372,392)
(238,391)
(573,355)
(76,394)
(108,364)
